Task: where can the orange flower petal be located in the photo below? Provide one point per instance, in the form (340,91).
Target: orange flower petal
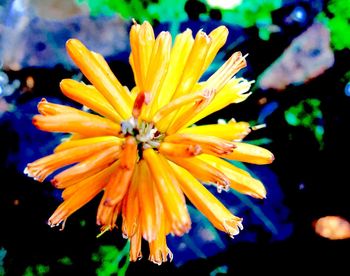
(101,178)
(90,97)
(194,64)
(135,245)
(87,167)
(44,166)
(83,123)
(179,150)
(218,37)
(207,203)
(173,203)
(120,180)
(158,248)
(131,206)
(165,115)
(203,171)
(230,131)
(99,74)
(240,180)
(84,191)
(178,58)
(251,154)
(186,113)
(149,225)
(209,144)
(93,142)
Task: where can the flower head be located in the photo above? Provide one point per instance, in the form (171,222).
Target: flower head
(141,149)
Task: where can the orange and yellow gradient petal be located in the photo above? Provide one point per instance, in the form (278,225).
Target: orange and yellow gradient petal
(141,150)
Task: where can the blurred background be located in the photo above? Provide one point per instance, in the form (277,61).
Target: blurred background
(300,61)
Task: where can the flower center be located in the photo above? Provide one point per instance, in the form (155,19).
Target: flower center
(145,133)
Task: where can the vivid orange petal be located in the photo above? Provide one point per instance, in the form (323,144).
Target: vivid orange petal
(44,166)
(218,37)
(194,64)
(135,245)
(146,197)
(209,144)
(178,58)
(164,116)
(249,153)
(173,203)
(87,167)
(90,97)
(240,180)
(131,206)
(188,112)
(88,125)
(207,203)
(99,74)
(235,63)
(101,178)
(120,180)
(159,251)
(203,171)
(230,131)
(179,150)
(87,190)
(92,141)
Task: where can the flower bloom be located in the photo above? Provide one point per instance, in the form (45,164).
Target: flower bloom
(141,147)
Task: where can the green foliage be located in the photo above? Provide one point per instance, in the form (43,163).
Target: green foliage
(338,23)
(112,260)
(65,261)
(247,14)
(307,114)
(38,270)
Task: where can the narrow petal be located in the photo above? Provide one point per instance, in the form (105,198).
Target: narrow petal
(90,97)
(194,64)
(107,216)
(88,125)
(157,71)
(203,171)
(209,144)
(218,37)
(146,197)
(179,150)
(233,92)
(99,74)
(230,131)
(131,206)
(240,180)
(111,140)
(158,248)
(47,108)
(141,41)
(188,112)
(164,116)
(85,191)
(44,166)
(120,180)
(173,203)
(87,167)
(135,245)
(218,80)
(101,178)
(178,58)
(249,153)
(207,203)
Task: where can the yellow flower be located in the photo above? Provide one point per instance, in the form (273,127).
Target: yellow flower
(142,150)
